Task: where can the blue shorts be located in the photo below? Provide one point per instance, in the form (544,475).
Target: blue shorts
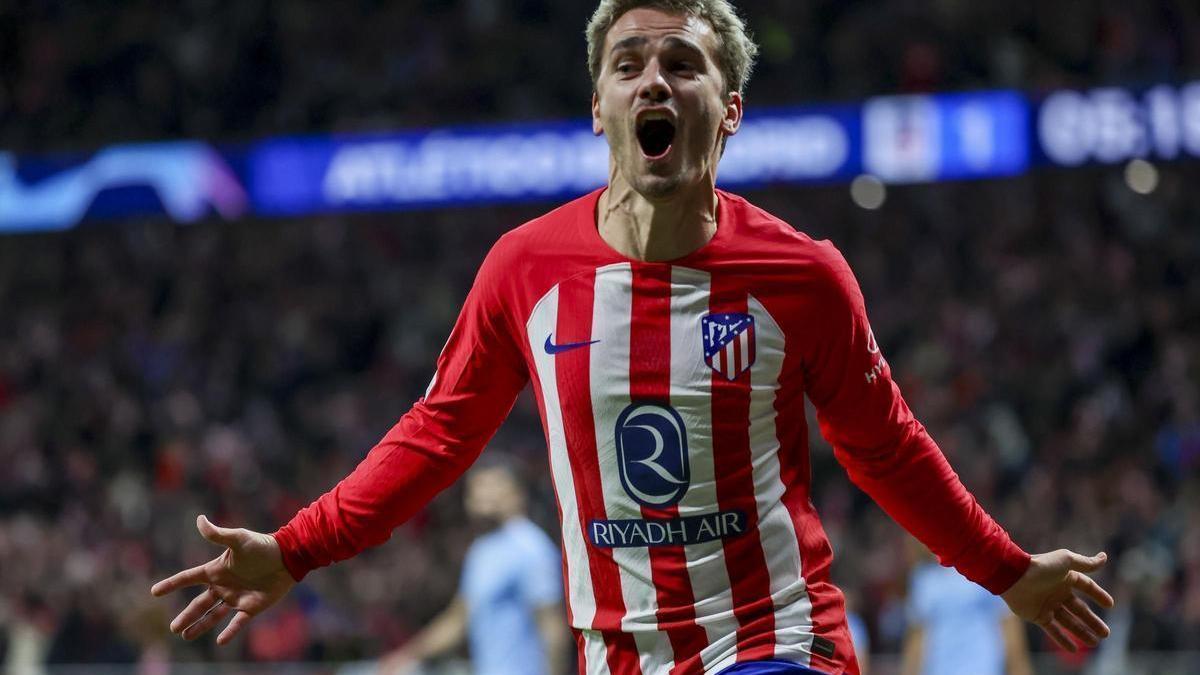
(771,667)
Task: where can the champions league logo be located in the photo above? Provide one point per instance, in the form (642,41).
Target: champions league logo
(652,454)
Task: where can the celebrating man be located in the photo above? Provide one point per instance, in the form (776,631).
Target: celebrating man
(671,332)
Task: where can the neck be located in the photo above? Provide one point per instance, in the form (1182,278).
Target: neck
(660,230)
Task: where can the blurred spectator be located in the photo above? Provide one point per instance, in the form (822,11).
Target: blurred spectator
(957,628)
(509,603)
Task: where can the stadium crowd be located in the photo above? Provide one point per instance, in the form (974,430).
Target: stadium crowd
(1045,328)
(82,73)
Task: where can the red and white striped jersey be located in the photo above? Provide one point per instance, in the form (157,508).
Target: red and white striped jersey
(672,399)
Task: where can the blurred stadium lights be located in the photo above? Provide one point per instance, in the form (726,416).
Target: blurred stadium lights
(894,139)
(1141,176)
(868,192)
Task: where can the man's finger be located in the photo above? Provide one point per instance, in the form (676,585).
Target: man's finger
(195,609)
(1074,626)
(235,626)
(210,618)
(1057,635)
(1084,563)
(1094,623)
(1092,589)
(222,536)
(189,577)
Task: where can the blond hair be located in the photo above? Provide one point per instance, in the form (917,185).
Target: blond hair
(735,51)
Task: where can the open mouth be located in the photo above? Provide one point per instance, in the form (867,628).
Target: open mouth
(655,135)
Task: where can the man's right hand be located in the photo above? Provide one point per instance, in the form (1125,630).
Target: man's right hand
(247,578)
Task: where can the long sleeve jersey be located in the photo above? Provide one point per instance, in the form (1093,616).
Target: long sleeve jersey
(672,400)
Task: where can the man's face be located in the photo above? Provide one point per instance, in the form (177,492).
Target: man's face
(492,496)
(661,100)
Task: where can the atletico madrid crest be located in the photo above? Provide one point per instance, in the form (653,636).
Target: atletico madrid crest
(728,343)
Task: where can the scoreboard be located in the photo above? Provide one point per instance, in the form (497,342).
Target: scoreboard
(1112,125)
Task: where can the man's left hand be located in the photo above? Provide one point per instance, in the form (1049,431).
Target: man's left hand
(1051,594)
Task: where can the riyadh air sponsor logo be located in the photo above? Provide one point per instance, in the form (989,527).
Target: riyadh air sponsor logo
(666,531)
(552,348)
(653,458)
(652,454)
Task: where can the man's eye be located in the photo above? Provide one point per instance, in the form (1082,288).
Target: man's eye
(625,68)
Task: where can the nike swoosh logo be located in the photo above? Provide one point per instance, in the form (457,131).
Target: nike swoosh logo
(552,348)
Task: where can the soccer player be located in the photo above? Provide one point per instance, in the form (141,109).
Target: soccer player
(670,331)
(509,603)
(947,613)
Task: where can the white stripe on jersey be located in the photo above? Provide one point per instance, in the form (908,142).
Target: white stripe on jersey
(781,547)
(580,593)
(612,320)
(595,653)
(691,394)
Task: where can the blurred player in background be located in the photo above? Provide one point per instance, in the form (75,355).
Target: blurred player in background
(509,602)
(671,332)
(859,637)
(957,628)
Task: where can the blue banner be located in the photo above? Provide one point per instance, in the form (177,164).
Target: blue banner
(899,139)
(521,163)
(910,139)
(409,170)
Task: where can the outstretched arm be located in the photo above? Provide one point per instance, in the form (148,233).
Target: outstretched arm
(889,454)
(479,374)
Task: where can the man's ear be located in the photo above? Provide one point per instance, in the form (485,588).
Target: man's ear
(597,127)
(733,114)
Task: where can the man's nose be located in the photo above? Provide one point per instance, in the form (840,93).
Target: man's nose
(653,86)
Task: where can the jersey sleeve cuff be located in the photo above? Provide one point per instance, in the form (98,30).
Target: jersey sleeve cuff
(294,560)
(1013,563)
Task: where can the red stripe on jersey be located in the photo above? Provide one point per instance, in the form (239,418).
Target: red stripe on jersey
(736,345)
(816,555)
(580,649)
(734,470)
(650,380)
(573,368)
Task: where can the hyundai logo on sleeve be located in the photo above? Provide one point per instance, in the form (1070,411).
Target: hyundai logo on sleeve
(652,454)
